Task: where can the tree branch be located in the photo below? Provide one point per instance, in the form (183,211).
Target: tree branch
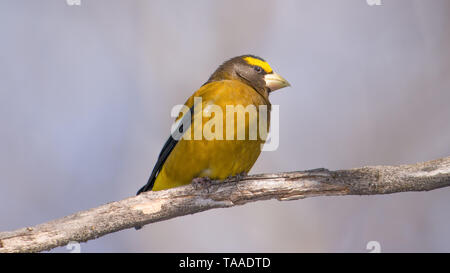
(158,206)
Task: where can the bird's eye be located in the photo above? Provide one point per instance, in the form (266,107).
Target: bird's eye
(258,69)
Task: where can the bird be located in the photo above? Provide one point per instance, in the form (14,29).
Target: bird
(244,80)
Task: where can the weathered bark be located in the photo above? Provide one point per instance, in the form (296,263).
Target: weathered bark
(152,207)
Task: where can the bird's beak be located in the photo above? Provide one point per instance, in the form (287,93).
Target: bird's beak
(275,81)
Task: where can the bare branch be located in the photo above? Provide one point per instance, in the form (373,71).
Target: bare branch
(158,206)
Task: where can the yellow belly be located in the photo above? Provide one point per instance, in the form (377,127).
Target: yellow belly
(217,159)
(213,159)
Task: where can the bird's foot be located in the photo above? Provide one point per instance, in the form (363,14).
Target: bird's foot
(235,178)
(201,182)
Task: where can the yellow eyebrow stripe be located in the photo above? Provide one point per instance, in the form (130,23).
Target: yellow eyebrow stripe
(264,65)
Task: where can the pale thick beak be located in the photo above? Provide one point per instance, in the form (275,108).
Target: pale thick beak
(275,81)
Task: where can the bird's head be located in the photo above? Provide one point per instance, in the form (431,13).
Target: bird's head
(251,70)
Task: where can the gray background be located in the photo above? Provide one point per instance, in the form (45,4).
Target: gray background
(86,94)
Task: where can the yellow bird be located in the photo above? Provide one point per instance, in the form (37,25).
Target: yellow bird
(241,81)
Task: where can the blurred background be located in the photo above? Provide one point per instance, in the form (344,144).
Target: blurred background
(86,94)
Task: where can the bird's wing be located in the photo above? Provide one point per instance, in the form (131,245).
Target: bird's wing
(207,92)
(165,152)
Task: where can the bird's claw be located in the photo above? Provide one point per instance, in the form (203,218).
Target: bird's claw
(235,178)
(205,182)
(201,182)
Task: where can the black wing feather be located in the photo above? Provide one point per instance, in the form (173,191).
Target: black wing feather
(165,152)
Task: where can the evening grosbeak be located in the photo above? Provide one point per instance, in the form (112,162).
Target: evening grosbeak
(243,80)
